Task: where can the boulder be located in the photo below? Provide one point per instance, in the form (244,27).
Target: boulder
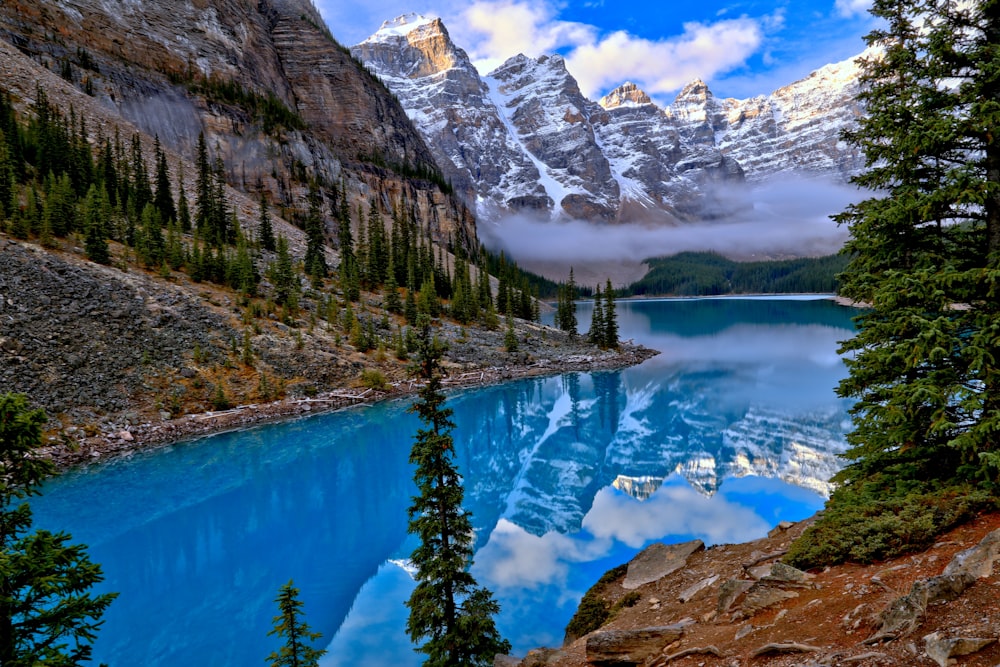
(692,590)
(941,649)
(608,648)
(977,561)
(658,560)
(730,592)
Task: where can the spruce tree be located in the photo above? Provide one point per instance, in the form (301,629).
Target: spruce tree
(204,192)
(315,259)
(296,651)
(283,275)
(163,199)
(265,231)
(95,228)
(925,250)
(610,318)
(47,614)
(450,616)
(597,329)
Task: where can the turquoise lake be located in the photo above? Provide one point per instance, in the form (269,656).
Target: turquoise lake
(733,428)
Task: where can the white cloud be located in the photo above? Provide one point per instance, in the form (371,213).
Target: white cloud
(663,66)
(514,558)
(674,509)
(850,8)
(494,30)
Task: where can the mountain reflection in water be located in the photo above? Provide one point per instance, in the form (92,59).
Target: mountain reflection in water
(733,428)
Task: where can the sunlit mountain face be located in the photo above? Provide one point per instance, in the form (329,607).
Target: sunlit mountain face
(731,429)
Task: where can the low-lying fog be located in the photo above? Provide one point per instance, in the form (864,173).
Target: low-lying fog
(782,218)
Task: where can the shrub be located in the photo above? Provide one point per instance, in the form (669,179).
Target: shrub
(864,522)
(594,611)
(373,378)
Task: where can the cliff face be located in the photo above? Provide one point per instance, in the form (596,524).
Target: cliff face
(161,66)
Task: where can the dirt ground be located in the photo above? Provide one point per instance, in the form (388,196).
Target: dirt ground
(835,615)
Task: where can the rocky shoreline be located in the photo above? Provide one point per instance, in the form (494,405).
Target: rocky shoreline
(125,440)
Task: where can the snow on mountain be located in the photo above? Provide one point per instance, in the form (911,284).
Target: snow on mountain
(524,138)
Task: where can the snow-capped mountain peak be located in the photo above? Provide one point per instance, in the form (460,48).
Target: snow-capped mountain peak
(627,94)
(524,138)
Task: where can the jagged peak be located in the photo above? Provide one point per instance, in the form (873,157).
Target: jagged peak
(403,25)
(626,95)
(696,89)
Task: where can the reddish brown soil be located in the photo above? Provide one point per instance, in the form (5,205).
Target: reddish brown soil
(836,615)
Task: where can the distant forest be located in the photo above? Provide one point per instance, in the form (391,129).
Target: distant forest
(707,274)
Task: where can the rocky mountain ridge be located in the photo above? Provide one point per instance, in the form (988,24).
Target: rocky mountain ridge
(523,139)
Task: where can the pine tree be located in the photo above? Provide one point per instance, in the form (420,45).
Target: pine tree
(610,318)
(47,614)
(265,231)
(163,199)
(283,275)
(925,373)
(449,613)
(296,652)
(204,192)
(315,259)
(95,227)
(183,210)
(597,330)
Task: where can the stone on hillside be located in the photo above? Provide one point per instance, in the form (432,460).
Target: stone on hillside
(658,560)
(786,574)
(978,560)
(730,592)
(692,590)
(630,647)
(941,650)
(763,595)
(780,528)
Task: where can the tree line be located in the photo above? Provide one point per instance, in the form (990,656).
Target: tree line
(711,274)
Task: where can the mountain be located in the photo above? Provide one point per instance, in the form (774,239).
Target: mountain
(174,70)
(523,139)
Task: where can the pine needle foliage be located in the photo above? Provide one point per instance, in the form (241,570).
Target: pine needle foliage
(289,625)
(47,614)
(451,617)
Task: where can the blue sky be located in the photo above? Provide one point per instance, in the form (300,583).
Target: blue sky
(740,48)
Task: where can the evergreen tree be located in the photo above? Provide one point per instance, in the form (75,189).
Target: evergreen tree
(183,210)
(924,372)
(204,192)
(266,231)
(566,308)
(597,330)
(95,226)
(449,613)
(296,651)
(315,259)
(47,615)
(283,275)
(163,199)
(610,318)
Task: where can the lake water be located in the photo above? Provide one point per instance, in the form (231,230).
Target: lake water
(733,428)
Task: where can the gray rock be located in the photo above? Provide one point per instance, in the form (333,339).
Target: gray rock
(941,650)
(692,590)
(763,595)
(658,560)
(978,560)
(630,647)
(786,574)
(730,592)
